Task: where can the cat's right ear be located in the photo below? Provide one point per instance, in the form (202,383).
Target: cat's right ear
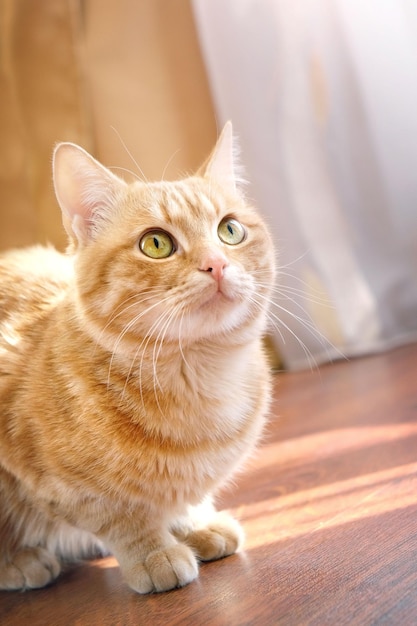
(86,191)
(223,165)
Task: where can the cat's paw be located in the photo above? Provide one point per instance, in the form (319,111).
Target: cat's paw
(30,568)
(162,570)
(220,538)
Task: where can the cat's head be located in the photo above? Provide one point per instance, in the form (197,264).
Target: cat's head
(185,260)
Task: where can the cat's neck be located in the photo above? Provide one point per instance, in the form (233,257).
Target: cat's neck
(167,380)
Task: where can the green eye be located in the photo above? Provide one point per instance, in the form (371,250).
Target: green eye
(157,244)
(231,231)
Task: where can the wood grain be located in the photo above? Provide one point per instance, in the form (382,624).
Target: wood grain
(330,511)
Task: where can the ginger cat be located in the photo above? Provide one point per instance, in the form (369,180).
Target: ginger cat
(133,382)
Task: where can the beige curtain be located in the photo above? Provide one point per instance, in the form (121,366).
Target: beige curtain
(100,74)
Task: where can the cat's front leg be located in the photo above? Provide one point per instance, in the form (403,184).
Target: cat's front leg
(210,534)
(152,560)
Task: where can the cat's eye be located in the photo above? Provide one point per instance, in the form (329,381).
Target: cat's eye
(231,231)
(157,244)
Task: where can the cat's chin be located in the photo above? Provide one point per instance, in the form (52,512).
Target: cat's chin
(217,315)
(216,300)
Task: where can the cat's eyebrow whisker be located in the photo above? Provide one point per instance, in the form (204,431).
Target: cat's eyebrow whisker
(144,178)
(128,171)
(168,163)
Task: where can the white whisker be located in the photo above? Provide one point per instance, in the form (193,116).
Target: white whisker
(308,324)
(130,154)
(156,352)
(180,344)
(151,293)
(146,341)
(127,170)
(171,158)
(127,328)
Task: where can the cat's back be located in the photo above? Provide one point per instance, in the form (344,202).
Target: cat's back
(32,281)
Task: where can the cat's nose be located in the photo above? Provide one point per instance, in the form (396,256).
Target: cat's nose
(215,264)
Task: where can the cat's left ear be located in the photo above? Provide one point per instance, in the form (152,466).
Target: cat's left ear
(222,165)
(86,191)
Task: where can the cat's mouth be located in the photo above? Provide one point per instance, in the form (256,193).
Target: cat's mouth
(217,297)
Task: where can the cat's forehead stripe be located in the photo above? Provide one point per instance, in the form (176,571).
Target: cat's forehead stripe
(182,201)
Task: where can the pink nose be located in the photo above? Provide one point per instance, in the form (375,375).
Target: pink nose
(215,264)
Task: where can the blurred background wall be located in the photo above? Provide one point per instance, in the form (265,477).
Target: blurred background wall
(101,74)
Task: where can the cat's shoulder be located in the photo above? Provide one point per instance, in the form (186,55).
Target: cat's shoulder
(36,275)
(35,262)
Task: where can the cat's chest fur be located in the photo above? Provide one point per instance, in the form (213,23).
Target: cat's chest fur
(165,429)
(176,438)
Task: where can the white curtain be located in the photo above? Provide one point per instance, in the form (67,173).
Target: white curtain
(323,96)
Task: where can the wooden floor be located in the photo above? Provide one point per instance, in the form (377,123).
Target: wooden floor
(330,512)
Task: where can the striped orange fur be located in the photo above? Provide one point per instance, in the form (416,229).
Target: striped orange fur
(133,382)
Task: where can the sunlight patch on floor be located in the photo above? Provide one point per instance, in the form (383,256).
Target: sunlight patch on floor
(329,505)
(329,443)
